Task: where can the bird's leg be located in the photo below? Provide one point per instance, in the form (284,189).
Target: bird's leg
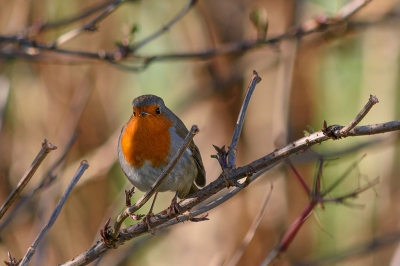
(174,207)
(146,219)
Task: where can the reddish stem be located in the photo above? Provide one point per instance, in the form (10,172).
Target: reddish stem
(301,180)
(295,227)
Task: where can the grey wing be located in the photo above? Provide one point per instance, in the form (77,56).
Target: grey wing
(182,131)
(201,175)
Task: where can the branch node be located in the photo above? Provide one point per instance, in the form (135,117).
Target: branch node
(106,234)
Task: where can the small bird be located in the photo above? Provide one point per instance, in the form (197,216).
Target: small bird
(147,143)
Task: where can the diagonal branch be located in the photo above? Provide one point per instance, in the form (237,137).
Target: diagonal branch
(80,16)
(371,102)
(167,26)
(250,233)
(90,26)
(47,180)
(47,147)
(239,124)
(31,251)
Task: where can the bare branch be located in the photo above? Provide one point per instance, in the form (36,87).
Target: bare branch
(47,180)
(239,124)
(344,175)
(371,102)
(250,233)
(47,147)
(81,16)
(165,28)
(31,251)
(90,26)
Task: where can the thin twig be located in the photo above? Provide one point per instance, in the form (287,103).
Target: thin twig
(239,123)
(166,27)
(189,137)
(301,180)
(90,26)
(250,233)
(371,102)
(31,251)
(344,175)
(47,147)
(47,179)
(78,17)
(354,193)
(354,251)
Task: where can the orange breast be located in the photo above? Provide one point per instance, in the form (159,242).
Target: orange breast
(146,139)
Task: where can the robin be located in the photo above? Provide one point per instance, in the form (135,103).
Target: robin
(147,143)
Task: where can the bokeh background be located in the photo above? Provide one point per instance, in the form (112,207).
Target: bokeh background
(321,76)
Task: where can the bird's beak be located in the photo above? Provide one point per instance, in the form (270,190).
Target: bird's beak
(143,113)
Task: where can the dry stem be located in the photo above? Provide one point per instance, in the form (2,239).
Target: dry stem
(47,147)
(31,251)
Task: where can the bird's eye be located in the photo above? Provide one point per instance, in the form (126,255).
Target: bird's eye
(158,111)
(134,113)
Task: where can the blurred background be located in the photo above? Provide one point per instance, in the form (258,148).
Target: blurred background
(304,81)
